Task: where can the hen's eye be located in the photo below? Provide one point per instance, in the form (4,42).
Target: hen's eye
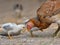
(23,27)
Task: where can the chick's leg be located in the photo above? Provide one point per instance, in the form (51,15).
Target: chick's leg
(9,36)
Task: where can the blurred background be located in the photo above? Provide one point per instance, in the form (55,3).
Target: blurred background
(8,13)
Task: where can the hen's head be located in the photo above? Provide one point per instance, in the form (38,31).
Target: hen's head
(30,25)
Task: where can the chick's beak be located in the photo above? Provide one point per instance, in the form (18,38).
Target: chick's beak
(24,29)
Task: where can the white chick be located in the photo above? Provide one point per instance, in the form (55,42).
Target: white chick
(12,28)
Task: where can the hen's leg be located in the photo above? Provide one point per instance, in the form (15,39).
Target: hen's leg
(31,34)
(34,29)
(54,34)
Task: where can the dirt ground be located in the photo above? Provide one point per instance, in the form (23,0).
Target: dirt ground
(7,14)
(40,38)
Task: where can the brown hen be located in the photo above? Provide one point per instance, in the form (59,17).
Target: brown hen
(47,10)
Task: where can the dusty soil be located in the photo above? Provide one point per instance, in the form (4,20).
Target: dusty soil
(7,14)
(40,38)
